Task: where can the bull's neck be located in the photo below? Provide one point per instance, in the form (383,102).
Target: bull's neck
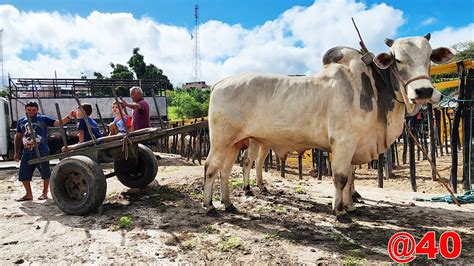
(390,108)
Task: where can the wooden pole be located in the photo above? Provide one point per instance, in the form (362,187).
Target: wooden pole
(33,135)
(389,162)
(446,116)
(380,170)
(320,164)
(157,109)
(120,110)
(61,127)
(86,119)
(439,179)
(467,129)
(405,146)
(283,166)
(432,140)
(411,151)
(439,142)
(121,100)
(102,120)
(300,166)
(455,130)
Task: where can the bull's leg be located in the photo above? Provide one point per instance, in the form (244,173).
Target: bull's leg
(347,194)
(262,155)
(248,158)
(209,176)
(342,171)
(224,174)
(214,163)
(354,194)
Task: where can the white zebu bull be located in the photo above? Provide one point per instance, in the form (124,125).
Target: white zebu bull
(347,109)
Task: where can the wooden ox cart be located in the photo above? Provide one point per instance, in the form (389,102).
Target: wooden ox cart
(78,183)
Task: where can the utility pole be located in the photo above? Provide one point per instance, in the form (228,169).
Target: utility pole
(2,73)
(196,54)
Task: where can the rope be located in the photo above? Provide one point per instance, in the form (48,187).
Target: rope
(451,99)
(468,197)
(126,141)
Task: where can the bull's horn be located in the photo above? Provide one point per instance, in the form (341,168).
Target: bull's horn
(388,42)
(428,36)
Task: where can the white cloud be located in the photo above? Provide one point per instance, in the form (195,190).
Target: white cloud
(292,43)
(449,36)
(428,21)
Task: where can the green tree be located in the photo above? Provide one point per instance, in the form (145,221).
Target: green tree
(464,50)
(120,72)
(137,63)
(190,103)
(98,75)
(150,71)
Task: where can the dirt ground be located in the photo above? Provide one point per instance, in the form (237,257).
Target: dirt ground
(292,223)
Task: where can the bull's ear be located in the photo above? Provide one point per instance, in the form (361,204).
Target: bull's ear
(442,55)
(383,60)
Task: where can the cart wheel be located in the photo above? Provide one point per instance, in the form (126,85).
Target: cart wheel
(78,185)
(137,172)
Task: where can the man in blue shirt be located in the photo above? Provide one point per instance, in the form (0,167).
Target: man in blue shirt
(40,124)
(82,126)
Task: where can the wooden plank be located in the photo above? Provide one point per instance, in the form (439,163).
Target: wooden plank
(151,133)
(447,84)
(450,68)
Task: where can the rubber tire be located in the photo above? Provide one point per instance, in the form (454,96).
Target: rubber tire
(137,173)
(96,185)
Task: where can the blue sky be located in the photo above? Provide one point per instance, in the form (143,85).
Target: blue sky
(250,13)
(74,37)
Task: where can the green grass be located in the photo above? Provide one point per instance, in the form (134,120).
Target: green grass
(300,190)
(268,236)
(197,195)
(125,222)
(349,260)
(238,183)
(209,229)
(280,209)
(263,209)
(229,244)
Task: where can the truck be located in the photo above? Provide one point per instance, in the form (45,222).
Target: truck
(49,91)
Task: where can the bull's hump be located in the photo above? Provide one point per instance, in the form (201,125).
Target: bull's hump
(338,54)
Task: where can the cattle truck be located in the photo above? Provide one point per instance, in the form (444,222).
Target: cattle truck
(47,92)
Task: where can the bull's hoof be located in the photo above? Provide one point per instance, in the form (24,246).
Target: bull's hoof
(263,190)
(354,212)
(248,193)
(212,212)
(231,208)
(344,218)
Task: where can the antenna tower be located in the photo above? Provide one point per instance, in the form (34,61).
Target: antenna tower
(196,54)
(2,74)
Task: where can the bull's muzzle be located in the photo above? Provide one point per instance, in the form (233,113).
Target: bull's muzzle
(424,93)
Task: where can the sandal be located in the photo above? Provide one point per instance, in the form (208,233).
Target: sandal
(42,197)
(24,198)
